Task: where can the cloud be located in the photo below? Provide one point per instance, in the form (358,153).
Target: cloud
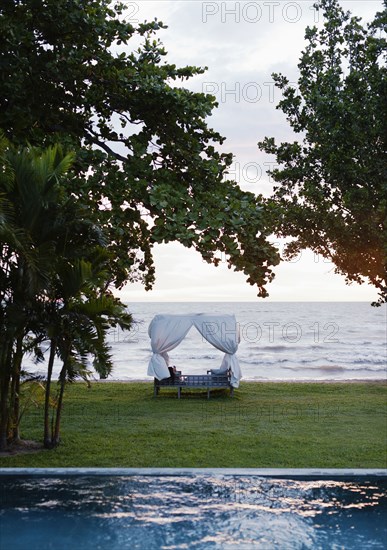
(183,276)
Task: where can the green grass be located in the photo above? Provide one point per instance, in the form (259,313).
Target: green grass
(277,425)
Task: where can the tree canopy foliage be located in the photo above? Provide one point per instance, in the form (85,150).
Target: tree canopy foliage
(136,165)
(331,189)
(146,160)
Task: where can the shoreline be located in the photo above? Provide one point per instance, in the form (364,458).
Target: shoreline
(252,381)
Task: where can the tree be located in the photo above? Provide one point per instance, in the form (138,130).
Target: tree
(78,326)
(28,205)
(53,265)
(147,162)
(331,190)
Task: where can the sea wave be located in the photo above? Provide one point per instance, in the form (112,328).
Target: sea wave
(373,361)
(277,348)
(262,361)
(199,357)
(324,368)
(335,368)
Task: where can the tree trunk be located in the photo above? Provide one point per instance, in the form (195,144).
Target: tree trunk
(4,412)
(5,362)
(15,431)
(47,435)
(14,419)
(62,381)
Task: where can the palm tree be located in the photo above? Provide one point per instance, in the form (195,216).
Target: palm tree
(29,194)
(78,326)
(47,278)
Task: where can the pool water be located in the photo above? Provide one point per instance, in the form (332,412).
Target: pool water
(198,512)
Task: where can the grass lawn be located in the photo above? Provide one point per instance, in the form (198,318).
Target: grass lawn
(278,425)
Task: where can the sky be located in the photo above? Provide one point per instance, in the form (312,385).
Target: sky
(242,44)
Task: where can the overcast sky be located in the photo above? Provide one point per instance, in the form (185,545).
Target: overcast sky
(241,43)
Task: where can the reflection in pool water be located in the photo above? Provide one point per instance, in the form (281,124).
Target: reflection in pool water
(198,512)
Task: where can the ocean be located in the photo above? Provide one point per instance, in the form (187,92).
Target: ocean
(279,341)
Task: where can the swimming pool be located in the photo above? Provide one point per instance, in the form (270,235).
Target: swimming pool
(192,510)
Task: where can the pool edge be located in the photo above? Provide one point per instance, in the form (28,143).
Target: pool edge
(291,473)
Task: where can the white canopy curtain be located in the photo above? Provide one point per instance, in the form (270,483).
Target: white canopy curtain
(167,331)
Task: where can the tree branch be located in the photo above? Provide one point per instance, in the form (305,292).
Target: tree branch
(93,137)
